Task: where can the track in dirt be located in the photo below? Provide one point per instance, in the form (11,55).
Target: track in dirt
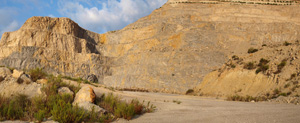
(198,109)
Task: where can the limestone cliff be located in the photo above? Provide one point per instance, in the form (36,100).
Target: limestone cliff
(170,50)
(274,67)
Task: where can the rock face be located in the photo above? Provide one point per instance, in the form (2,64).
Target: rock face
(171,50)
(280,77)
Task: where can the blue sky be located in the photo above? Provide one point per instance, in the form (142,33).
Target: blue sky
(96,15)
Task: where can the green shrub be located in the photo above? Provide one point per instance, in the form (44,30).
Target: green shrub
(263,61)
(286,85)
(177,101)
(1,78)
(249,66)
(13,109)
(40,115)
(189,91)
(280,66)
(283,94)
(264,45)
(235,57)
(150,108)
(252,50)
(292,76)
(36,74)
(63,112)
(245,98)
(122,109)
(276,91)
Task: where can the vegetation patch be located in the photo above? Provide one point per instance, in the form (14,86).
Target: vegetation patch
(190,91)
(262,66)
(36,74)
(122,109)
(249,66)
(280,66)
(133,89)
(252,50)
(80,80)
(177,101)
(287,43)
(235,57)
(1,78)
(245,98)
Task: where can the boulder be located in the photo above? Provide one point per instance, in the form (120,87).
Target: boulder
(26,78)
(65,90)
(85,98)
(4,72)
(90,106)
(92,78)
(85,94)
(17,74)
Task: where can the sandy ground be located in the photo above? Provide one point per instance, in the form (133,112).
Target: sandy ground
(195,109)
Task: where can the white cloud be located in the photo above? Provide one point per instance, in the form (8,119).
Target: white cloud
(108,15)
(7,23)
(51,16)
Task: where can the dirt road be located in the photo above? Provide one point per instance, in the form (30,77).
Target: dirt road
(193,109)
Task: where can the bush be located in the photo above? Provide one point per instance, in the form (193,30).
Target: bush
(36,74)
(1,78)
(264,45)
(263,68)
(249,66)
(190,91)
(176,101)
(280,66)
(263,62)
(63,112)
(292,76)
(121,109)
(287,43)
(234,57)
(252,50)
(40,115)
(286,85)
(13,109)
(245,98)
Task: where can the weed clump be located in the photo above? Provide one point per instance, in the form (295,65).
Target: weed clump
(252,50)
(121,109)
(190,91)
(245,98)
(235,57)
(249,66)
(1,78)
(36,74)
(287,43)
(280,66)
(177,101)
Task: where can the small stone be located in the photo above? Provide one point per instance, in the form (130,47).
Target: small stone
(92,78)
(17,74)
(65,90)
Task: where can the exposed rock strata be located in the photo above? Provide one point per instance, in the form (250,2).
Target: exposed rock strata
(171,50)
